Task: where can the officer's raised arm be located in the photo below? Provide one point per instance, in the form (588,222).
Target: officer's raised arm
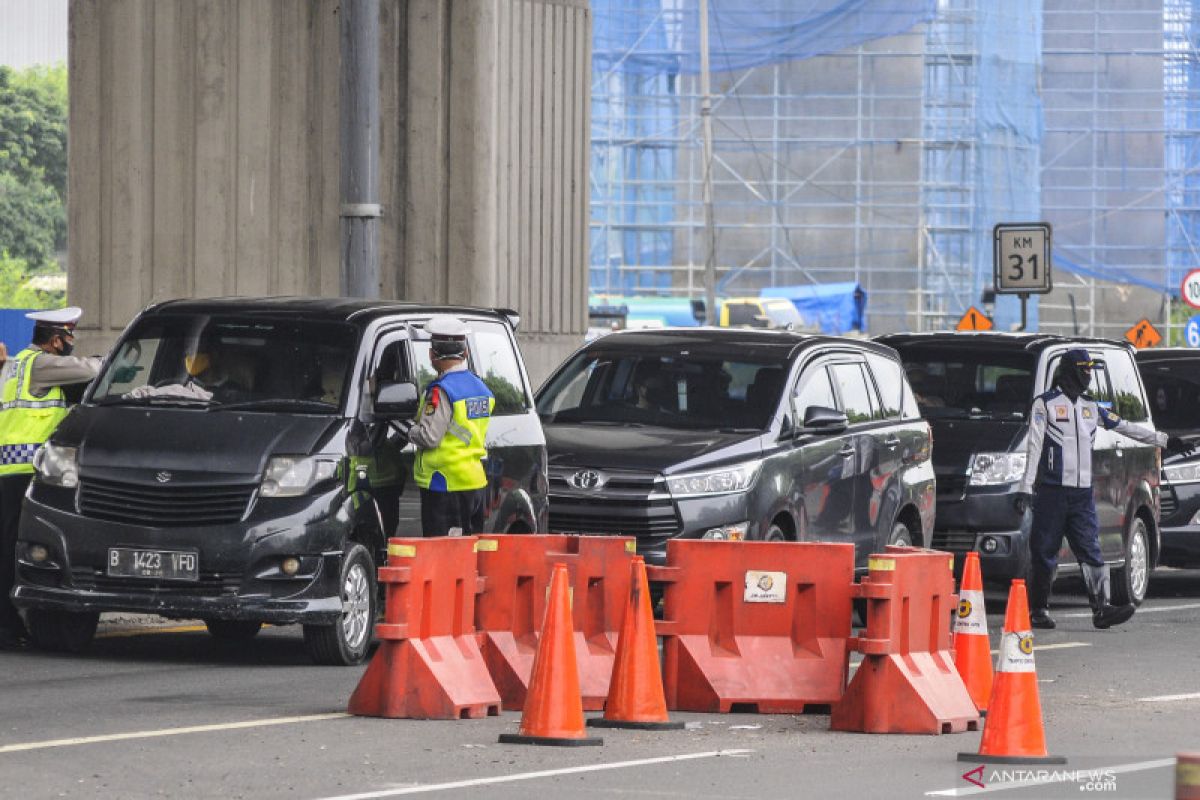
(1142,433)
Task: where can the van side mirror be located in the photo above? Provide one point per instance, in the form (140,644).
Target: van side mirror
(822,420)
(397,401)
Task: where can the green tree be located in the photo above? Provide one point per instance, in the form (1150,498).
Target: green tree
(16,292)
(33,163)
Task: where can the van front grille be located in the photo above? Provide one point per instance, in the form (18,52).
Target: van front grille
(954,541)
(165,506)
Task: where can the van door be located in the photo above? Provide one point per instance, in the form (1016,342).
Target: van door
(1138,462)
(826,463)
(856,397)
(389,459)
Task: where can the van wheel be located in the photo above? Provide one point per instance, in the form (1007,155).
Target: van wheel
(232,630)
(901,536)
(1131,582)
(345,642)
(61,631)
(775,533)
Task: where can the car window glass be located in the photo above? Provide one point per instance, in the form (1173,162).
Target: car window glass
(1127,391)
(495,361)
(854,392)
(1174,391)
(814,389)
(894,390)
(745,314)
(955,382)
(391,363)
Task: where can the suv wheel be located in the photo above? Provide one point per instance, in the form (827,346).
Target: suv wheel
(233,630)
(345,642)
(775,533)
(61,631)
(901,535)
(1131,581)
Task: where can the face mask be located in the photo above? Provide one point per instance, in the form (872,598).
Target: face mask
(67,347)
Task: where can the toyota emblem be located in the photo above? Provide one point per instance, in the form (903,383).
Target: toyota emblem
(587,479)
(163,477)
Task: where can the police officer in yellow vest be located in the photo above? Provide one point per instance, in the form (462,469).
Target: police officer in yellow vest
(449,432)
(32,404)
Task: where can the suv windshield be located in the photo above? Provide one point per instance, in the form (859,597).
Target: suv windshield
(230,362)
(1174,391)
(953,383)
(692,391)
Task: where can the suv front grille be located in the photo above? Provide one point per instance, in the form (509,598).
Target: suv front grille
(163,506)
(954,541)
(629,504)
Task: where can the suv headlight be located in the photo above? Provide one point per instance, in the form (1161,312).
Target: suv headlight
(1182,473)
(292,476)
(57,466)
(729,480)
(994,469)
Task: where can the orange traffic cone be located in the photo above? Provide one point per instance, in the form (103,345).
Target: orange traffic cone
(1013,732)
(972,653)
(635,693)
(553,712)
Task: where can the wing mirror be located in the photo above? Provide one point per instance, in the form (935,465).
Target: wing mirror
(822,420)
(397,401)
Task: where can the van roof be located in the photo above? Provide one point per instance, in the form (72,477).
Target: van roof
(781,343)
(337,309)
(1033,342)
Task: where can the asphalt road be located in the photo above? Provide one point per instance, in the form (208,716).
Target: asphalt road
(170,712)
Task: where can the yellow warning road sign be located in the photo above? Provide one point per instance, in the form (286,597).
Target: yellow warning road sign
(1143,334)
(974,320)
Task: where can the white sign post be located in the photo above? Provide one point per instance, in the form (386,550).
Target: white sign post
(1021,260)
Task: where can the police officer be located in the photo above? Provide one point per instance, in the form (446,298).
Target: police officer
(1062,429)
(449,433)
(32,404)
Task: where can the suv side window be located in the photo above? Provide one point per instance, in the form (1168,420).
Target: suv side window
(1127,391)
(854,392)
(894,391)
(814,389)
(495,361)
(390,363)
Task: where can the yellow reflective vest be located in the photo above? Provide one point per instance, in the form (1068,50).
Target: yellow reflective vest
(26,421)
(456,464)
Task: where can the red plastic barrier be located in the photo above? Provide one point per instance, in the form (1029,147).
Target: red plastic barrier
(907,682)
(428,665)
(516,573)
(756,626)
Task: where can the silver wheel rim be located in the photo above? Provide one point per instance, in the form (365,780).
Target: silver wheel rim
(900,537)
(1139,560)
(356,607)
(775,534)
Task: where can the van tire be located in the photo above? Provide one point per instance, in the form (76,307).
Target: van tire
(61,631)
(232,630)
(1131,582)
(900,536)
(347,641)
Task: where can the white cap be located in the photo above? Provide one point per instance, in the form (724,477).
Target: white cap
(58,317)
(444,326)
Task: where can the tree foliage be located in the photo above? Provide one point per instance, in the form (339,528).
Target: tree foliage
(33,163)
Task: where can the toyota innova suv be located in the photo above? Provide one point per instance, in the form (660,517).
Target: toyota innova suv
(976,391)
(736,434)
(234,462)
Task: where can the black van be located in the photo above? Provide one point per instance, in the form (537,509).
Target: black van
(234,462)
(976,390)
(736,434)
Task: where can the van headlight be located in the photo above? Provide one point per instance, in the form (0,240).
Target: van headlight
(292,476)
(1182,473)
(994,469)
(57,466)
(729,480)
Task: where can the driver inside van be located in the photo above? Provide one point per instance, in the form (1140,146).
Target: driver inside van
(207,373)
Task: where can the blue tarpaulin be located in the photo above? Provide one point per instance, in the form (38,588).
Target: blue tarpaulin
(835,307)
(15,329)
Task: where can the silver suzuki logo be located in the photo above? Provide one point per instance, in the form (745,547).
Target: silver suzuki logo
(163,477)
(587,479)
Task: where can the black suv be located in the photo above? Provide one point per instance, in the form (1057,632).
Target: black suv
(234,462)
(976,390)
(1172,378)
(736,434)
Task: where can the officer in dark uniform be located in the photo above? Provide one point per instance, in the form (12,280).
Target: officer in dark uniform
(1062,429)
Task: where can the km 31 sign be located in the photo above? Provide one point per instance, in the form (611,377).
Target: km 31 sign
(1021,257)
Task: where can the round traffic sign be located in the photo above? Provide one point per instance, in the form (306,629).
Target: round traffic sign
(1192,331)
(1191,288)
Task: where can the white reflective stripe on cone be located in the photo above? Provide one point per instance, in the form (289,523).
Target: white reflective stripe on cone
(970,617)
(1016,652)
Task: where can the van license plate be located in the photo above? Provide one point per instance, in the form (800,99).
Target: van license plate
(171,565)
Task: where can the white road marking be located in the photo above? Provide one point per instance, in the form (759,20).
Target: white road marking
(119,737)
(1170,698)
(528,776)
(1141,610)
(1039,648)
(1058,773)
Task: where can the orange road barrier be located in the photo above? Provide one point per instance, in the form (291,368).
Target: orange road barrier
(635,693)
(553,712)
(1187,776)
(907,682)
(755,626)
(516,571)
(1013,733)
(428,665)
(972,648)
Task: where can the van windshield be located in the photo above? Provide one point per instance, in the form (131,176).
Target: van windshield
(230,362)
(954,383)
(695,391)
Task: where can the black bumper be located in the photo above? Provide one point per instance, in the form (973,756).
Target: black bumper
(988,525)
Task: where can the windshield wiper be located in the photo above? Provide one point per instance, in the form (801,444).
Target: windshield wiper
(276,402)
(160,400)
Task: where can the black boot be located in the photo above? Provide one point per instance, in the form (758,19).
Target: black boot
(1039,599)
(1104,614)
